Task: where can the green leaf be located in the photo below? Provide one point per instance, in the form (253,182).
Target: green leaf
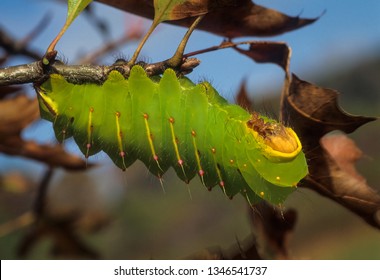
(74,8)
(163,9)
(178,9)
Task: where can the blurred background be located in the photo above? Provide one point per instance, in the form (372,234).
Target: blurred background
(126,215)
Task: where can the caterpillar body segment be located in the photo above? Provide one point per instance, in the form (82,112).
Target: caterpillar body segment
(171,122)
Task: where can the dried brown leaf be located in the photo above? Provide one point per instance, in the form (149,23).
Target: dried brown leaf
(242,98)
(313,111)
(338,179)
(344,152)
(227,18)
(15,114)
(268,52)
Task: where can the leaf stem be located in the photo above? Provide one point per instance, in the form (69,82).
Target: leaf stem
(52,45)
(176,59)
(142,43)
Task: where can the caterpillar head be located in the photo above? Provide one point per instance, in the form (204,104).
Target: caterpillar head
(280,143)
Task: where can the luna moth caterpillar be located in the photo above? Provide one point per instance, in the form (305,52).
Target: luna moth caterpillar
(168,121)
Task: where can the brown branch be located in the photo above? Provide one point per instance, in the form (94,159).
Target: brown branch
(21,74)
(12,47)
(36,72)
(40,203)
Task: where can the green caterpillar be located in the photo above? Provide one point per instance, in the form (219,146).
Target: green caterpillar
(166,121)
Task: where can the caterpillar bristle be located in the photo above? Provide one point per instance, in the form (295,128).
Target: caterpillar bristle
(189,191)
(161,183)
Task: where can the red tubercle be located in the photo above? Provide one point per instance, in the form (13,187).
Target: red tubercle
(146,116)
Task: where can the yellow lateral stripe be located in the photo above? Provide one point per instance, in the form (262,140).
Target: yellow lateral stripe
(171,121)
(179,160)
(149,135)
(197,158)
(221,182)
(118,132)
(89,131)
(119,136)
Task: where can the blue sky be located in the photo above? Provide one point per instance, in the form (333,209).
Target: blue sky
(348,31)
